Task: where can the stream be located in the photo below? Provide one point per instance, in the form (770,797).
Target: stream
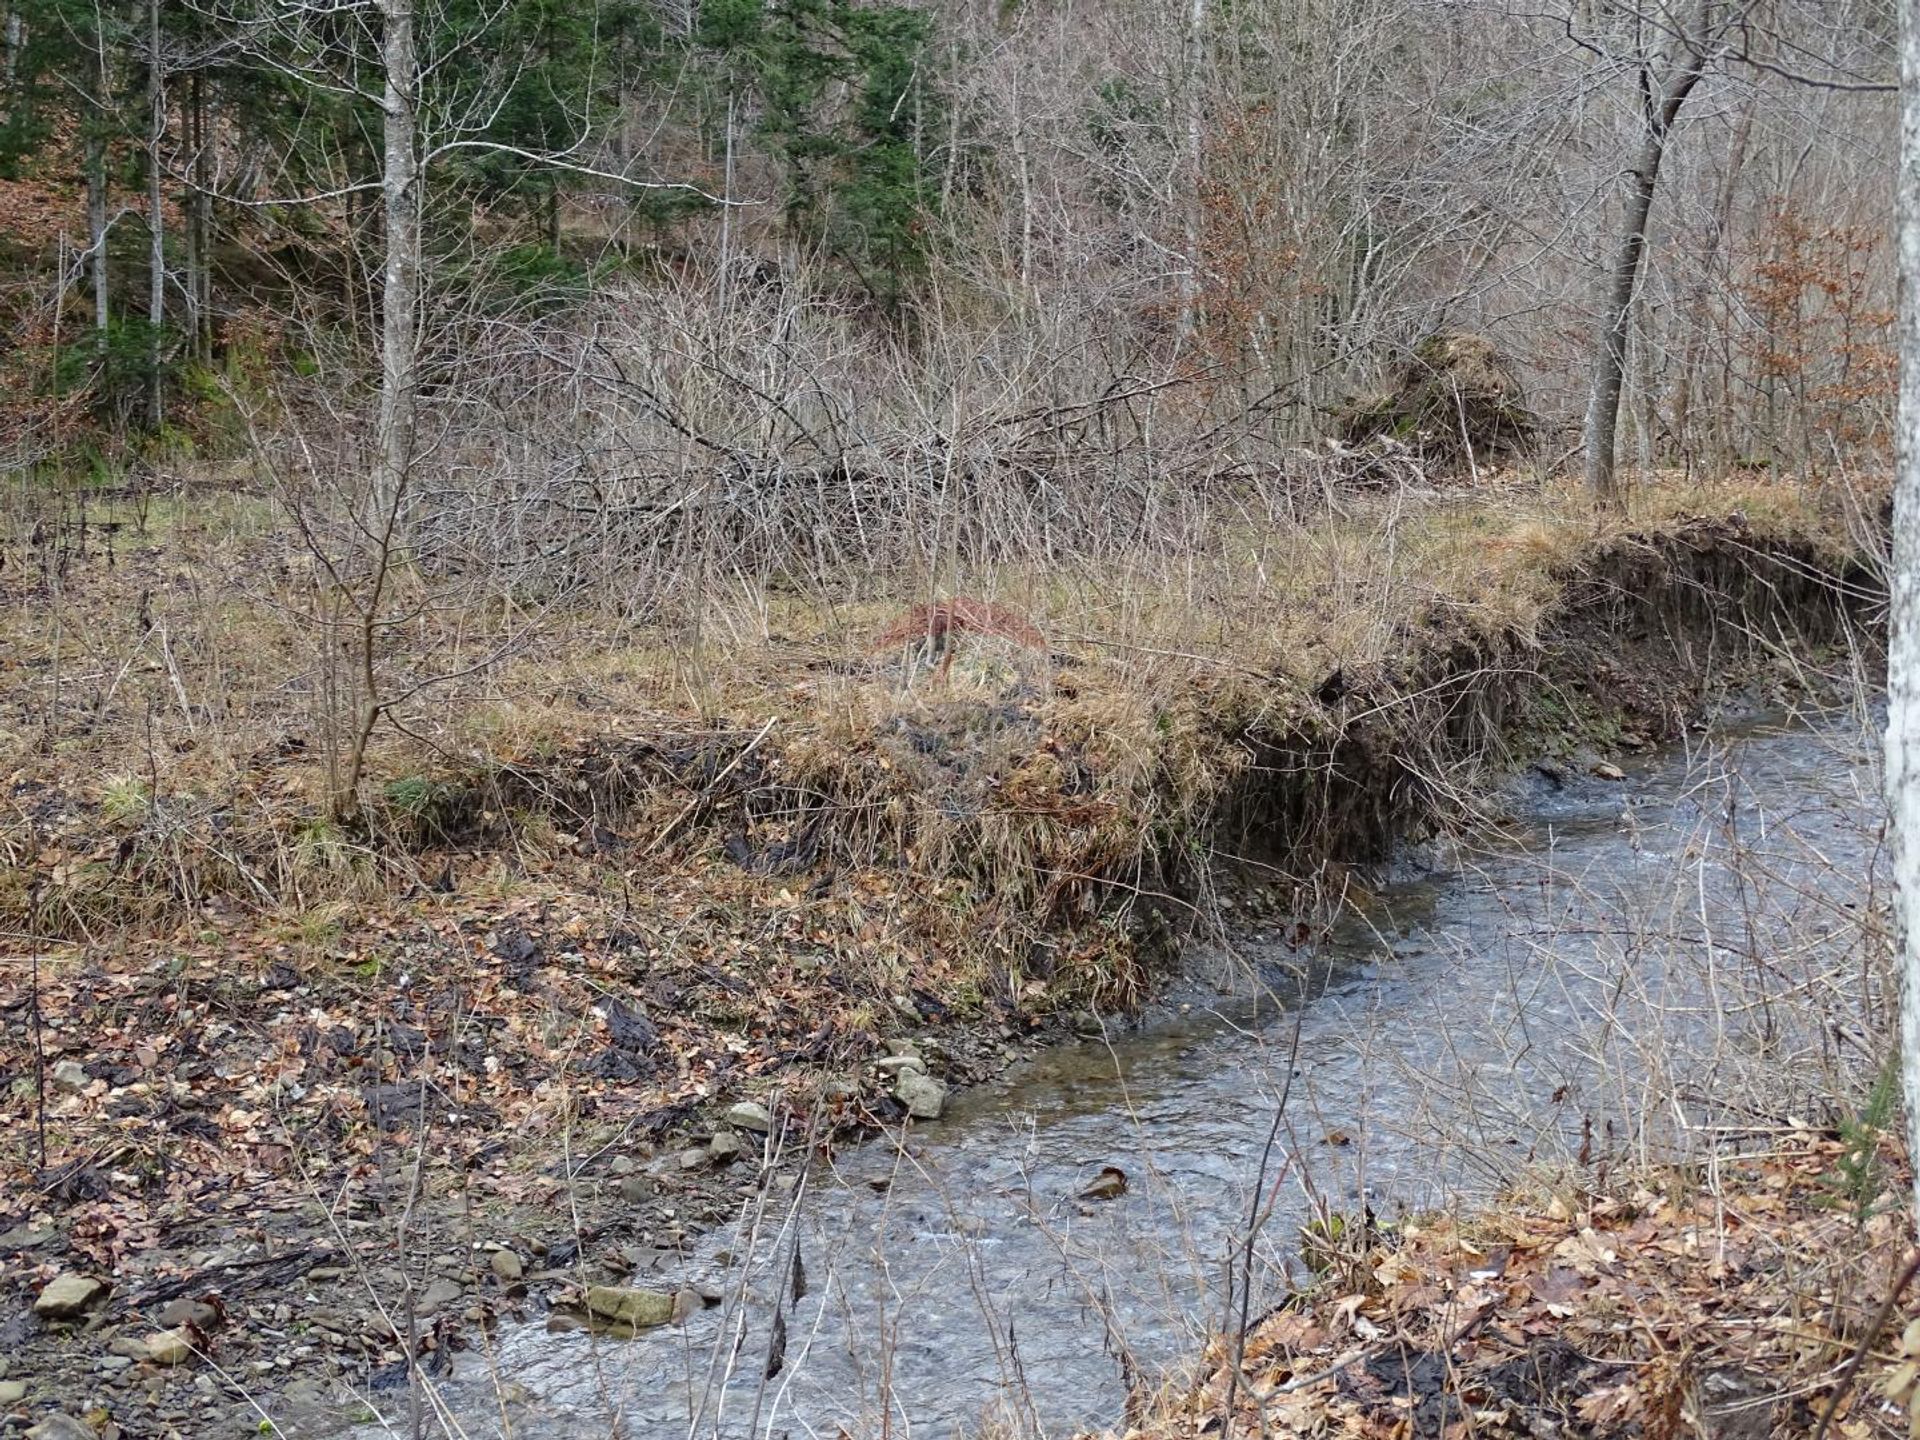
(1633,963)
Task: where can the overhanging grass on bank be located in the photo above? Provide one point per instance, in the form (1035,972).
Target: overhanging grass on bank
(1305,687)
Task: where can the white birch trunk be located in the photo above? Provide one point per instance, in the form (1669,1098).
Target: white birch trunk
(1193,150)
(400,283)
(96,162)
(1903,660)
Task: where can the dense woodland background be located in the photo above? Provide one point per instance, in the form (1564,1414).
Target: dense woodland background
(516,307)
(793,231)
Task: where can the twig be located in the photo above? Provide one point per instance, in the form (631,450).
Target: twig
(39,1066)
(706,792)
(1859,1356)
(1253,1228)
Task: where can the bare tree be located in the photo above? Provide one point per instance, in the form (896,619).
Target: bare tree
(1664,85)
(156,221)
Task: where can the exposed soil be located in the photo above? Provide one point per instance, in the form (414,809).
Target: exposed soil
(273,1132)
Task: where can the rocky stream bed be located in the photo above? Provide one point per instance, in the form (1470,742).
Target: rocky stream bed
(1058,1236)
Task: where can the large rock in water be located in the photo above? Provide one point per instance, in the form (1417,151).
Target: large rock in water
(624,1306)
(1453,399)
(923,1096)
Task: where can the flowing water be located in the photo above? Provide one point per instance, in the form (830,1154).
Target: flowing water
(1629,967)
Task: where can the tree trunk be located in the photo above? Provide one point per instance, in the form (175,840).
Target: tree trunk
(16,38)
(1192,153)
(156,223)
(1903,658)
(1616,307)
(399,381)
(400,281)
(1706,442)
(96,163)
(198,260)
(209,137)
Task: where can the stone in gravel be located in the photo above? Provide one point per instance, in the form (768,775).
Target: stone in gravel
(131,1346)
(695,1158)
(900,1064)
(625,1306)
(112,1364)
(636,1189)
(12,1392)
(507,1267)
(67,1296)
(750,1115)
(923,1096)
(188,1312)
(1602,770)
(70,1075)
(439,1295)
(901,1047)
(170,1347)
(62,1427)
(641,1258)
(27,1236)
(620,1165)
(724,1146)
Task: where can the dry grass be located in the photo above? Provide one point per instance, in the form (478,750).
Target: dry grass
(177,701)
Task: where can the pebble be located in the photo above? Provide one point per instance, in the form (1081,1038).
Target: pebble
(439,1295)
(12,1392)
(170,1347)
(188,1312)
(507,1267)
(62,1427)
(751,1115)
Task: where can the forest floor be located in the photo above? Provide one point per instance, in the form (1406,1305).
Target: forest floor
(294,1089)
(1755,1299)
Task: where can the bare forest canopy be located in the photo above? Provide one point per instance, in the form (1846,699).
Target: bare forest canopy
(671,248)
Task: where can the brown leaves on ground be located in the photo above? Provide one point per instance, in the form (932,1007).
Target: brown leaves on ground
(237,1068)
(1728,1310)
